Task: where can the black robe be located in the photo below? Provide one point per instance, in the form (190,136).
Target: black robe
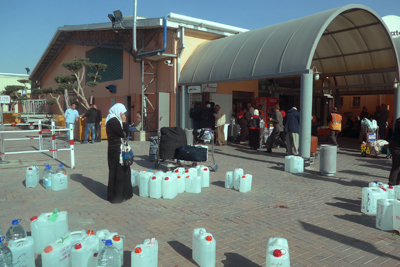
(119,178)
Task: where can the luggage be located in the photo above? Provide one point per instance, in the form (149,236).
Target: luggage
(233,130)
(191,153)
(204,135)
(171,138)
(153,150)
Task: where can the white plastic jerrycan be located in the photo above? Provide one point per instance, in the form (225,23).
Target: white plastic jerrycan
(370,196)
(193,172)
(204,176)
(59,181)
(384,214)
(396,191)
(375,184)
(155,187)
(144,178)
(203,248)
(22,252)
(296,164)
(245,183)
(82,251)
(32,176)
(229,180)
(48,227)
(58,253)
(180,184)
(134,178)
(278,252)
(169,187)
(390,192)
(146,254)
(396,215)
(179,170)
(288,162)
(237,173)
(192,184)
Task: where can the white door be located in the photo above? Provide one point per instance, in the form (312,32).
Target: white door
(163,110)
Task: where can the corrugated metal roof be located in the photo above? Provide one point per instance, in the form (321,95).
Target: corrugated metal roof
(351,41)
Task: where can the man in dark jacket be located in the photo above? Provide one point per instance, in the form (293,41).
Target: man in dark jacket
(99,120)
(292,129)
(277,121)
(91,117)
(208,119)
(382,120)
(195,113)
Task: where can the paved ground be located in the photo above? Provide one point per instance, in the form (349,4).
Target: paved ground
(320,216)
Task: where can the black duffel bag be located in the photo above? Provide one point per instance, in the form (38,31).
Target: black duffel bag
(191,153)
(171,138)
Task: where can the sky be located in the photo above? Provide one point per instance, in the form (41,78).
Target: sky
(28,26)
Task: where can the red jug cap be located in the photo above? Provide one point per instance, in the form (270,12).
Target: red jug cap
(277,253)
(90,232)
(48,249)
(166,178)
(33,218)
(178,177)
(30,169)
(176,171)
(391,187)
(138,250)
(95,255)
(153,178)
(243,176)
(206,169)
(188,176)
(209,238)
(78,246)
(116,238)
(186,171)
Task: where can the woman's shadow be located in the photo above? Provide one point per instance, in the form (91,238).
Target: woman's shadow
(94,186)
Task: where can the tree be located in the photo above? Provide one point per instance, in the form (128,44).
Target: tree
(12,91)
(54,94)
(74,82)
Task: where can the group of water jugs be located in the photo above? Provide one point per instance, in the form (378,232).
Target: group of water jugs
(383,201)
(168,184)
(238,180)
(52,180)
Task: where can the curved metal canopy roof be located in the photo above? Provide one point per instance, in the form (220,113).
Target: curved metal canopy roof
(350,46)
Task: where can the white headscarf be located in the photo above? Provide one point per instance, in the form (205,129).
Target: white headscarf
(115,112)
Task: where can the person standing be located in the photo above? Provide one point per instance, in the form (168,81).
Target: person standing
(119,187)
(244,130)
(335,125)
(99,120)
(195,113)
(394,147)
(277,122)
(220,124)
(71,116)
(292,129)
(254,131)
(207,118)
(91,117)
(382,120)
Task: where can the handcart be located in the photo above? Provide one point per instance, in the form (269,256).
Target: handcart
(173,162)
(373,146)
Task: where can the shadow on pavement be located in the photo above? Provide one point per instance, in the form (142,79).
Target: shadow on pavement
(314,175)
(219,183)
(350,241)
(234,259)
(94,186)
(357,173)
(127,259)
(346,206)
(352,201)
(183,250)
(368,221)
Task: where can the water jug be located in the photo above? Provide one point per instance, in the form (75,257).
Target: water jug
(384,214)
(104,234)
(32,176)
(229,180)
(92,262)
(288,161)
(179,170)
(76,236)
(204,176)
(396,191)
(237,173)
(155,187)
(193,171)
(118,242)
(58,252)
(375,184)
(22,252)
(109,255)
(134,178)
(6,258)
(296,164)
(370,196)
(278,252)
(45,170)
(192,184)
(144,178)
(16,231)
(47,179)
(390,192)
(169,187)
(146,254)
(82,251)
(203,248)
(396,215)
(180,184)
(48,227)
(60,179)
(245,183)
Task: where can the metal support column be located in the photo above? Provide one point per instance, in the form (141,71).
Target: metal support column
(396,113)
(2,135)
(183,107)
(306,94)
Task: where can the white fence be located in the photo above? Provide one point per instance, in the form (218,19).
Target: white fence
(53,129)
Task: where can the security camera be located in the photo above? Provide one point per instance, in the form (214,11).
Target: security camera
(167,62)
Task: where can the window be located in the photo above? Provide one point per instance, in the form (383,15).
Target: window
(356,101)
(111,57)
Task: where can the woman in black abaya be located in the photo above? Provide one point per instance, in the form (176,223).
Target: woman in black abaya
(119,178)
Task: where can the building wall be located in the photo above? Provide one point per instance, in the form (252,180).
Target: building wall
(370,101)
(7,79)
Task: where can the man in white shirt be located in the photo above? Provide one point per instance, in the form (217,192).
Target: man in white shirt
(71,116)
(220,125)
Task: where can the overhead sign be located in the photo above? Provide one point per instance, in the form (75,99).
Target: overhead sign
(4,99)
(393,24)
(209,88)
(194,89)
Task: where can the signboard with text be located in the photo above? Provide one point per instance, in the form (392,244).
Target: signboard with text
(4,99)
(194,89)
(393,24)
(209,88)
